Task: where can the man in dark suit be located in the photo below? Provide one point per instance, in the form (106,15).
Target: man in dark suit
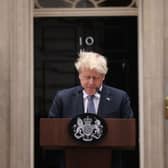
(108,101)
(114,103)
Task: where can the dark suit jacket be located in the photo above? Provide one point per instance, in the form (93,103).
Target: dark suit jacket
(114,103)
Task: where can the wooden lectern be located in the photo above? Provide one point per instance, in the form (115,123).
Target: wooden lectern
(54,134)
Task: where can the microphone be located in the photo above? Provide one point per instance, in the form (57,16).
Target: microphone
(98,90)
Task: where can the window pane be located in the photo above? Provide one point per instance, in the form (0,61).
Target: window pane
(81,3)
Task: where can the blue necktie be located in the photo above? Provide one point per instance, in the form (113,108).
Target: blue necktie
(91,106)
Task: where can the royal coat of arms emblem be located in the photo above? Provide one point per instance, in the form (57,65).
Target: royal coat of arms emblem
(87,128)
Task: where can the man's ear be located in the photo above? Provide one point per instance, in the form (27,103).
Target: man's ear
(103,76)
(79,76)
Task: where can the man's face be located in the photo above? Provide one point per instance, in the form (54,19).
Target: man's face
(90,80)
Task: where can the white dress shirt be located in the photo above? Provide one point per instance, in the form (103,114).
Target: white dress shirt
(96,101)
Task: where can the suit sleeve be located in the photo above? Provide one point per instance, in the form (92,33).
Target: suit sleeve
(56,107)
(126,110)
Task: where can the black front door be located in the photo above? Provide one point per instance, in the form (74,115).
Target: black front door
(57,42)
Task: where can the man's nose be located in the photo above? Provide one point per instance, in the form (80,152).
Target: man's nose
(91,80)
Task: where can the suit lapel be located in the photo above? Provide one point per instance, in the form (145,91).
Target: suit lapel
(104,102)
(78,105)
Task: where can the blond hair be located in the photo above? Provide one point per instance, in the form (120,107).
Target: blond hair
(91,60)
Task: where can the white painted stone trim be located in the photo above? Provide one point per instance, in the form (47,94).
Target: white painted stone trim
(62,12)
(21,84)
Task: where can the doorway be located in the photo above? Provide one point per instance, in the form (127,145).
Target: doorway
(57,43)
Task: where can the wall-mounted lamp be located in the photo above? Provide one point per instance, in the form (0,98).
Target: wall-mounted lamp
(166,107)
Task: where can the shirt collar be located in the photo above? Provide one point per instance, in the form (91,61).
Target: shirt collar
(97,94)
